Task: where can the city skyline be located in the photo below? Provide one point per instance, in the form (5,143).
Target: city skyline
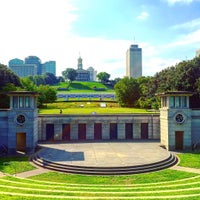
(167,31)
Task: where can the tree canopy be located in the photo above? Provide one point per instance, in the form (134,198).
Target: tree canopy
(9,81)
(127,92)
(69,74)
(103,77)
(45,79)
(8,76)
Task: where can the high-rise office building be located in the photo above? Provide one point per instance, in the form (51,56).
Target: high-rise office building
(31,66)
(49,66)
(15,61)
(36,61)
(21,69)
(134,61)
(24,70)
(198,53)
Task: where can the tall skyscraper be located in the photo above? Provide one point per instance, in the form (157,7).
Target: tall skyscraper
(198,53)
(134,61)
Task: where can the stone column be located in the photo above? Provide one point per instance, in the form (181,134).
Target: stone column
(136,131)
(73,131)
(121,130)
(57,132)
(105,130)
(90,130)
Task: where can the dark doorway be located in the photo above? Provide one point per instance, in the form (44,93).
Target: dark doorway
(129,131)
(50,132)
(82,131)
(66,132)
(179,140)
(144,131)
(21,142)
(113,131)
(97,131)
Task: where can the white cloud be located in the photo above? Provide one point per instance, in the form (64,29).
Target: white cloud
(185,40)
(172,2)
(195,23)
(102,54)
(34,28)
(143,16)
(156,64)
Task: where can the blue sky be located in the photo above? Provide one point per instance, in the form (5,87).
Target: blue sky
(168,31)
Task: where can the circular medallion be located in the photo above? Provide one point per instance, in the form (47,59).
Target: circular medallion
(20,119)
(179,118)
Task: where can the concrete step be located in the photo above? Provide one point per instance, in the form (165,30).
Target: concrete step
(166,163)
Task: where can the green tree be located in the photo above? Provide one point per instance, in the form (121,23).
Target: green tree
(127,92)
(147,98)
(50,79)
(69,74)
(9,81)
(103,77)
(7,76)
(28,84)
(47,95)
(4,98)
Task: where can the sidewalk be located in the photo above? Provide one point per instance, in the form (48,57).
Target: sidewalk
(186,169)
(2,174)
(32,173)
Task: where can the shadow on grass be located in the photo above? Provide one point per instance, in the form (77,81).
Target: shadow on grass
(15,164)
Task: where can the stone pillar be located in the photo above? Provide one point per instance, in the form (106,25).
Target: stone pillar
(74,131)
(90,130)
(136,131)
(57,131)
(105,130)
(121,130)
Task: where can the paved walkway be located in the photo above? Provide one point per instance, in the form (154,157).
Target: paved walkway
(2,174)
(186,169)
(32,173)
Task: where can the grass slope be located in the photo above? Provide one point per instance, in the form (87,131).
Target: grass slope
(80,87)
(13,164)
(165,184)
(89,108)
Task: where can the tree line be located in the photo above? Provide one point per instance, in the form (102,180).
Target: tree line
(130,92)
(140,92)
(9,81)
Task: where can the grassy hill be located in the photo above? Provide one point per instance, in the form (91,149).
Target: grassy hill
(78,86)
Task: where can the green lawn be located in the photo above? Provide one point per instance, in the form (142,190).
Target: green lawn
(190,160)
(89,108)
(153,177)
(164,184)
(52,185)
(83,87)
(15,164)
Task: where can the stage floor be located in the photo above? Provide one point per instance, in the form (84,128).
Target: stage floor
(104,154)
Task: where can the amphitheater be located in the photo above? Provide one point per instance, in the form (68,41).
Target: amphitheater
(126,144)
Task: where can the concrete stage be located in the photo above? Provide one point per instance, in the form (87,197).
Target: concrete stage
(104,154)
